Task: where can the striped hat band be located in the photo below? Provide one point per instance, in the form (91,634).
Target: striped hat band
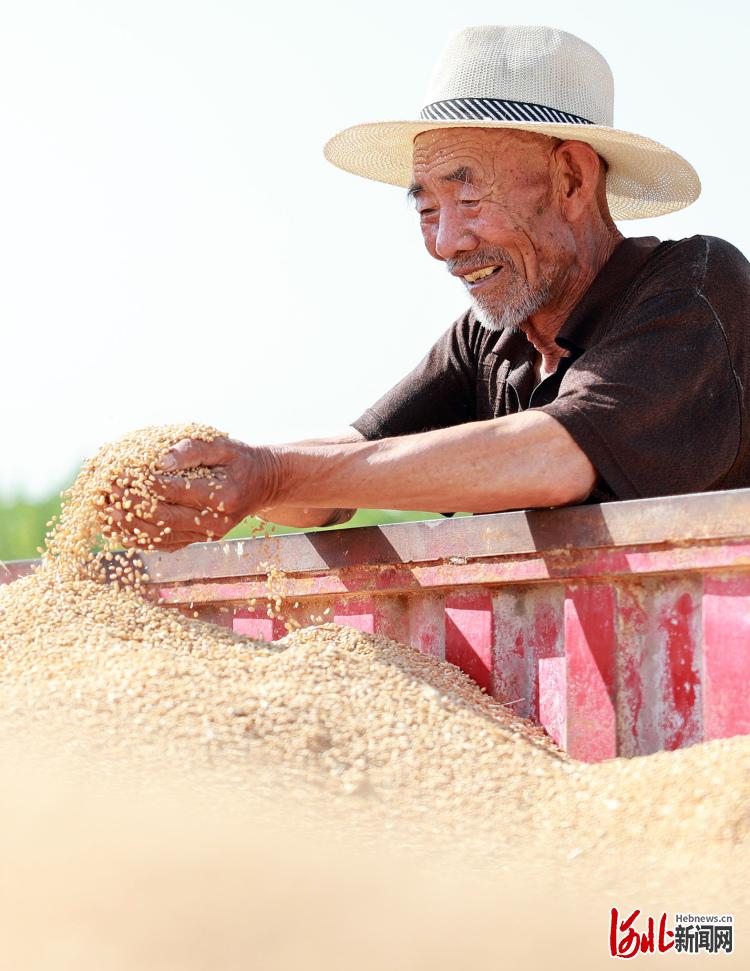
(495,109)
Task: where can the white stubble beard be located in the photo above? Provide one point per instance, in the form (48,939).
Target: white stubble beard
(520,304)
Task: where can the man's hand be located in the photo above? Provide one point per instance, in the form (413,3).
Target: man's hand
(238,480)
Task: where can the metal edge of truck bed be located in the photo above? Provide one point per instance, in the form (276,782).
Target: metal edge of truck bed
(665,520)
(672,520)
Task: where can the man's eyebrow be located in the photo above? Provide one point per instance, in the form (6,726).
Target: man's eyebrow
(462,174)
(413,191)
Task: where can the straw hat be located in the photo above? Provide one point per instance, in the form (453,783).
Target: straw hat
(535,79)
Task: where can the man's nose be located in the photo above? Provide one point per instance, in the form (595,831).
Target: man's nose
(453,236)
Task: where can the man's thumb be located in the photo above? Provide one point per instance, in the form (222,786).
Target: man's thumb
(188,454)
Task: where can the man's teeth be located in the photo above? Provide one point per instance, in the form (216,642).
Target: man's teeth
(480,274)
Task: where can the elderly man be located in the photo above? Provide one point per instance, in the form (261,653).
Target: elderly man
(589,366)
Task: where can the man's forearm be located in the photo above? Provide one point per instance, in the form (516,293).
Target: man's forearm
(523,460)
(306,515)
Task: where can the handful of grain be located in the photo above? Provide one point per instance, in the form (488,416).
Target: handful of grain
(121,476)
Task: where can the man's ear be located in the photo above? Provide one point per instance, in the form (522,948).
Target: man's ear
(577,168)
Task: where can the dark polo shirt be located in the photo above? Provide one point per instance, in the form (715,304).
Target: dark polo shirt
(656,387)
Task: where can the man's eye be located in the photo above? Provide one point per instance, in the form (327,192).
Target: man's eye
(470,202)
(426,212)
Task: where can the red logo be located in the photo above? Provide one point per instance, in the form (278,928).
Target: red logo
(625,941)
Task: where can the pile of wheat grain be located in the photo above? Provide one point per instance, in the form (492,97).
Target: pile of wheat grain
(401,736)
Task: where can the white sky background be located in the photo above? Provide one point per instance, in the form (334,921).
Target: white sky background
(174,247)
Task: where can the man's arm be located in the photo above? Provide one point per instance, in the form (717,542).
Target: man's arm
(519,461)
(307,515)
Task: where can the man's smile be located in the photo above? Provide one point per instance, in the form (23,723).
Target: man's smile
(475,278)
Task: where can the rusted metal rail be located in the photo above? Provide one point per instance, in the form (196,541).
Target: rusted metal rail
(623,629)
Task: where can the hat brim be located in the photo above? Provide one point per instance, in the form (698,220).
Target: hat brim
(644,178)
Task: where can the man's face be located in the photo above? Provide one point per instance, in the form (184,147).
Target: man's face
(487,210)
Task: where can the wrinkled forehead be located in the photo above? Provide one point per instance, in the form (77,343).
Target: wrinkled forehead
(480,150)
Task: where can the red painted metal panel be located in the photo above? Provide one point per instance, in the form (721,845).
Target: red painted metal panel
(427,624)
(513,644)
(659,698)
(387,616)
(217,614)
(726,656)
(590,677)
(356,612)
(469,634)
(513,571)
(553,698)
(392,618)
(632,669)
(253,623)
(528,628)
(15,570)
(677,615)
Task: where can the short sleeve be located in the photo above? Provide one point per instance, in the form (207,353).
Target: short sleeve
(438,393)
(655,405)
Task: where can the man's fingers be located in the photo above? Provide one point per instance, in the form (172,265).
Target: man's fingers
(135,531)
(195,493)
(191,452)
(175,489)
(150,535)
(130,528)
(168,521)
(188,519)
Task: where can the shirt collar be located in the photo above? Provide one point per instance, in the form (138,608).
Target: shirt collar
(579,330)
